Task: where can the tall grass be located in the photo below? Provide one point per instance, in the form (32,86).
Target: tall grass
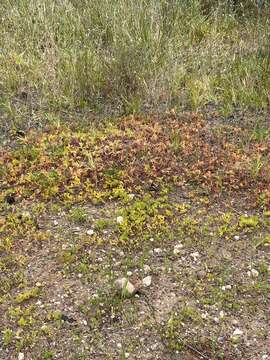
(119,56)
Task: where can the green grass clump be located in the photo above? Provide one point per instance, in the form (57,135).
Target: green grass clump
(125,56)
(29,294)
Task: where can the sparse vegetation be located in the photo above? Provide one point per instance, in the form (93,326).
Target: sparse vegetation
(174,203)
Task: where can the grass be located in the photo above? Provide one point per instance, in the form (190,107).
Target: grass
(97,58)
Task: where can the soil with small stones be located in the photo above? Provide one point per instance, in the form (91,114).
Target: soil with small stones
(196,300)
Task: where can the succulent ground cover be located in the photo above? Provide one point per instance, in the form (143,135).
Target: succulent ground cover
(182,198)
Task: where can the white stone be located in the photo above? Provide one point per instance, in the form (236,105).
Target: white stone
(55,222)
(226,287)
(125,286)
(254,273)
(177,249)
(147,281)
(158,250)
(237,333)
(129,273)
(236,237)
(119,219)
(90,232)
(21,356)
(195,255)
(221,314)
(146,268)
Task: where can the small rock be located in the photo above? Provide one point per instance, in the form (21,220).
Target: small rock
(236,237)
(119,219)
(237,333)
(21,356)
(221,314)
(125,287)
(146,268)
(226,287)
(177,249)
(254,273)
(147,281)
(129,273)
(90,232)
(55,222)
(235,322)
(158,250)
(195,255)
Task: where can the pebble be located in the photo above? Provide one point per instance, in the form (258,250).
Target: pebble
(177,249)
(221,314)
(237,333)
(236,237)
(195,255)
(119,219)
(125,287)
(147,281)
(90,232)
(129,273)
(21,356)
(146,268)
(254,273)
(226,287)
(55,222)
(158,250)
